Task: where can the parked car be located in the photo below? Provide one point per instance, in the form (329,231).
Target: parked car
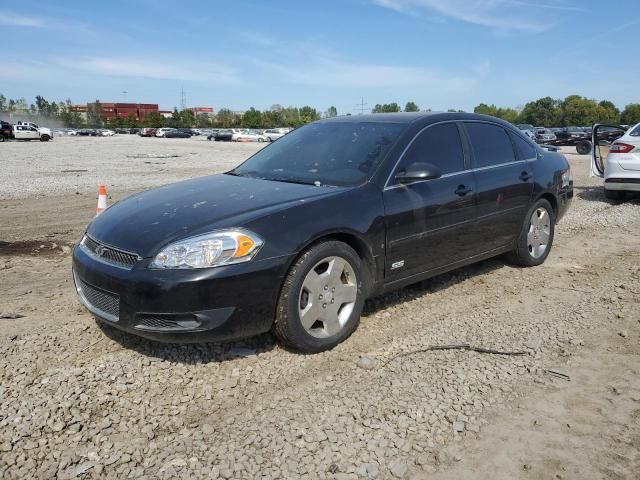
(87,132)
(6,131)
(147,132)
(30,131)
(616,158)
(177,133)
(161,132)
(528,130)
(221,136)
(250,137)
(298,236)
(544,135)
(105,132)
(274,134)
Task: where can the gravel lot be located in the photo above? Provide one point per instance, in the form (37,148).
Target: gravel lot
(78,401)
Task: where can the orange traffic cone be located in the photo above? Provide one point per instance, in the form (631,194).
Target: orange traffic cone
(102,199)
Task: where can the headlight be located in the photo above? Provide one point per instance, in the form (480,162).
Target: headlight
(222,247)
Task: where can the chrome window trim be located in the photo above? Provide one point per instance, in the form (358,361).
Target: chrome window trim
(455,122)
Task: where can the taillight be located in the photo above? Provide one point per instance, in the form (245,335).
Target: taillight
(621,148)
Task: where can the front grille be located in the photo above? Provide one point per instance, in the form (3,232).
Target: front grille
(100,302)
(110,254)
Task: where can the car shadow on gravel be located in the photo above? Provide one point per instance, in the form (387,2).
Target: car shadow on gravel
(191,353)
(596,194)
(432,285)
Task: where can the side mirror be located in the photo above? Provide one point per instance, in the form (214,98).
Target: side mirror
(418,171)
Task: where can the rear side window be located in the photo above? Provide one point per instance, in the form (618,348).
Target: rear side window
(491,144)
(525,149)
(439,145)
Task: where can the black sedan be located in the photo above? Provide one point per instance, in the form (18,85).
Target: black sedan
(297,237)
(178,133)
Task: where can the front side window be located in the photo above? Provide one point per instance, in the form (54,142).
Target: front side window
(490,143)
(439,145)
(324,153)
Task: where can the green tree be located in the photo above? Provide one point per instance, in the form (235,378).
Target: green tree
(308,114)
(252,118)
(42,104)
(332,111)
(94,114)
(608,112)
(386,108)
(225,118)
(411,107)
(544,112)
(580,111)
(631,114)
(3,103)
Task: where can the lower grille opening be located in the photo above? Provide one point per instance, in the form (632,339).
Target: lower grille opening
(167,322)
(100,302)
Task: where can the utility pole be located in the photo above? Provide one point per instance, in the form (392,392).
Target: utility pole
(183,99)
(362,106)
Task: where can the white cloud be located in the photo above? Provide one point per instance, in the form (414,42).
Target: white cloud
(331,72)
(176,69)
(13,20)
(514,15)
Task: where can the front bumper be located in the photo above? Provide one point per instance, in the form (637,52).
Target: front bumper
(216,304)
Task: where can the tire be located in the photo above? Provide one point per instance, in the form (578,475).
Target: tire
(269,139)
(305,293)
(44,138)
(260,140)
(2,139)
(530,251)
(617,195)
(584,147)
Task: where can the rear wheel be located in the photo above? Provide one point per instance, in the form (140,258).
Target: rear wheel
(321,299)
(2,139)
(584,147)
(535,240)
(614,194)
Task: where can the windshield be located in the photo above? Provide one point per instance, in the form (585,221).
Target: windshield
(331,153)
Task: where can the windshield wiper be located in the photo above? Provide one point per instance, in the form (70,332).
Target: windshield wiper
(293,180)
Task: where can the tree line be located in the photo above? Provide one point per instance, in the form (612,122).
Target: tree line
(546,112)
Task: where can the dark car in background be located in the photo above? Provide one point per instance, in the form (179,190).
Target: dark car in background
(178,133)
(223,135)
(297,237)
(6,131)
(88,132)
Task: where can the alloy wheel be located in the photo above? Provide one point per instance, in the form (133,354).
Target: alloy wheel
(539,232)
(327,297)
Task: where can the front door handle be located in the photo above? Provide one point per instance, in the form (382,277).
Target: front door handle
(462,190)
(524,176)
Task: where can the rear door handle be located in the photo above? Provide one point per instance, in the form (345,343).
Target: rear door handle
(462,190)
(524,176)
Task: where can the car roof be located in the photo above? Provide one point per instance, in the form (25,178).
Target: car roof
(411,117)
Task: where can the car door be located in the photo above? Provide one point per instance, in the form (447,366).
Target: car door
(19,132)
(426,220)
(602,137)
(504,183)
(31,133)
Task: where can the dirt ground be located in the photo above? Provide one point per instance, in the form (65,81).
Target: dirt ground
(78,400)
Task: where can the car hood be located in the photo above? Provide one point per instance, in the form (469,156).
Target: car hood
(145,222)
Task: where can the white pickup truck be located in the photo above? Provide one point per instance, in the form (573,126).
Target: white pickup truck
(31,131)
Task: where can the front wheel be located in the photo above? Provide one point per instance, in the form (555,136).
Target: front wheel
(535,240)
(321,299)
(2,139)
(260,140)
(44,138)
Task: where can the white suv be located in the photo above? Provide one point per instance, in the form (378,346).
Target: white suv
(31,131)
(616,158)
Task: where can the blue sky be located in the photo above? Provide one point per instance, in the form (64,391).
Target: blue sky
(236,54)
